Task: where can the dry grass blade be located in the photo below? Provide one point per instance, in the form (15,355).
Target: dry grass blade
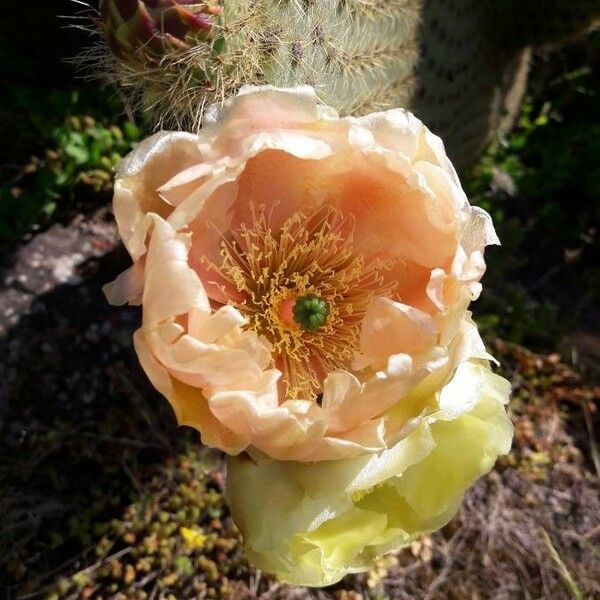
(566,575)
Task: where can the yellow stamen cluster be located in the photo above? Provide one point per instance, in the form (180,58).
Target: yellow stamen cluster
(309,254)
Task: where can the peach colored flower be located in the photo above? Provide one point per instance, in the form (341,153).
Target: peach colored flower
(302,276)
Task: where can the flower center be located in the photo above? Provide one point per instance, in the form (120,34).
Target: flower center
(310,312)
(305,288)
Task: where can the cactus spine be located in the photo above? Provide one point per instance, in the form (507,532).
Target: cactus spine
(358,54)
(461,65)
(474,63)
(466,82)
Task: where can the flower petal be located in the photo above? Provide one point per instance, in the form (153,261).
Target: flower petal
(140,174)
(312,524)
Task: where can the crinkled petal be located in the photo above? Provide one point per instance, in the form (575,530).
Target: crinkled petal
(263,108)
(312,524)
(390,328)
(188,403)
(139,176)
(128,287)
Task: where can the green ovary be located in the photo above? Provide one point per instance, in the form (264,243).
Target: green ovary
(310,312)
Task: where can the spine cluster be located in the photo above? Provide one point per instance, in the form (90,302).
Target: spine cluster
(461,65)
(358,54)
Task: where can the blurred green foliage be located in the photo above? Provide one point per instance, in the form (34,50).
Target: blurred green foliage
(77,139)
(541,184)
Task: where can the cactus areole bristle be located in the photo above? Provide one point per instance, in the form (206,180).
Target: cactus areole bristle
(142,31)
(310,312)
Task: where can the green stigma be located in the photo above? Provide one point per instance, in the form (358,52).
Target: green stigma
(310,312)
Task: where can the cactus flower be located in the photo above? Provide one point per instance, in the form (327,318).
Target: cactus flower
(140,32)
(304,278)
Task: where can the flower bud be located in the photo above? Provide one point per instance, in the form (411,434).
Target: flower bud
(142,32)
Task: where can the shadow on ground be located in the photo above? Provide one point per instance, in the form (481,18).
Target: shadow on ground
(79,423)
